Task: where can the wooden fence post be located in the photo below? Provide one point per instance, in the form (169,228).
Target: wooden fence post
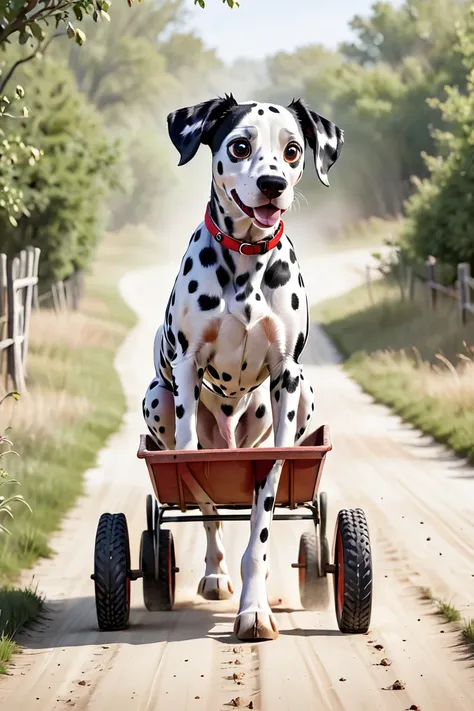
(464,273)
(431,278)
(32,264)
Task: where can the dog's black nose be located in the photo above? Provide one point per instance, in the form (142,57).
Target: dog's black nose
(271,186)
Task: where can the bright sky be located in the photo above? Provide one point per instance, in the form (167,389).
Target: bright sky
(261,27)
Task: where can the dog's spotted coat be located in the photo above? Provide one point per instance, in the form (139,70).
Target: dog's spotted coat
(227,355)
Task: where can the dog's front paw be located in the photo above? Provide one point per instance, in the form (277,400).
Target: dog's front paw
(255,625)
(216,586)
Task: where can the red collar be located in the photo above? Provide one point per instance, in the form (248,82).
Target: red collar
(248,248)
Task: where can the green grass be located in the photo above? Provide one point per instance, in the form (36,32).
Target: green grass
(408,357)
(448,611)
(18,608)
(468,630)
(74,403)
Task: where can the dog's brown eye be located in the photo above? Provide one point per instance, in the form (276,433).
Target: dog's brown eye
(240,149)
(292,152)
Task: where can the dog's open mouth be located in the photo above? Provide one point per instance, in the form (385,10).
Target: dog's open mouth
(264,216)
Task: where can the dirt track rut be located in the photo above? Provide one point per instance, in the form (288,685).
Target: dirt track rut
(419,502)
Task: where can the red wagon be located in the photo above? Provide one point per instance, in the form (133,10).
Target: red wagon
(228,477)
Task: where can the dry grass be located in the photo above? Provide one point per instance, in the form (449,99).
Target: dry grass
(74,402)
(414,360)
(43,413)
(72,330)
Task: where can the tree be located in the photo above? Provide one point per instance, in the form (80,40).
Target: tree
(441,211)
(68,184)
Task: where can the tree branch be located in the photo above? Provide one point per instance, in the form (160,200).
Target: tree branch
(39,48)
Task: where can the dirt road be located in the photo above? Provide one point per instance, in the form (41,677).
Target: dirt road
(419,503)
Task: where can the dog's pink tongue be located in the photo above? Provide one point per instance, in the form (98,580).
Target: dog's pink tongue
(268,215)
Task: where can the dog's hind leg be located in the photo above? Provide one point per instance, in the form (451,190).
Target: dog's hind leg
(216,583)
(158,412)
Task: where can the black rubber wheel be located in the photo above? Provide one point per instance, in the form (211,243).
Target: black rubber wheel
(111,572)
(353,572)
(149,513)
(313,582)
(151,595)
(166,571)
(323,513)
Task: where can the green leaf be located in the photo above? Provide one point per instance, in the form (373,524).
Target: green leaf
(80,37)
(37,31)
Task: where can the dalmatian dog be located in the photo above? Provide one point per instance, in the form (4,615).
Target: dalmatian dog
(227,354)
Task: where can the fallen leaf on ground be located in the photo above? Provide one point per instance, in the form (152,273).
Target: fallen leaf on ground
(239,701)
(414,707)
(240,675)
(378,646)
(237,650)
(82,682)
(342,678)
(385,662)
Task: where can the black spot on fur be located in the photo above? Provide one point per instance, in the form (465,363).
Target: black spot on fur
(242,279)
(213,372)
(260,112)
(258,266)
(156,418)
(200,373)
(274,167)
(222,276)
(242,389)
(208,256)
(179,411)
(279,245)
(277,275)
(207,303)
(233,393)
(272,108)
(274,383)
(298,347)
(173,298)
(268,503)
(153,384)
(197,235)
(295,302)
(220,168)
(217,389)
(226,377)
(183,341)
(188,265)
(258,297)
(170,354)
(300,280)
(292,256)
(245,293)
(227,410)
(264,535)
(154,403)
(248,311)
(290,384)
(192,286)
(260,411)
(264,557)
(196,392)
(229,225)
(228,260)
(147,413)
(291,415)
(162,429)
(171,338)
(277,395)
(170,319)
(312,407)
(244,365)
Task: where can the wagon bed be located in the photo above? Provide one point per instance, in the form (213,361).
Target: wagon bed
(228,476)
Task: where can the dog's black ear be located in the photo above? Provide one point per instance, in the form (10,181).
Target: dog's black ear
(191,126)
(323,137)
